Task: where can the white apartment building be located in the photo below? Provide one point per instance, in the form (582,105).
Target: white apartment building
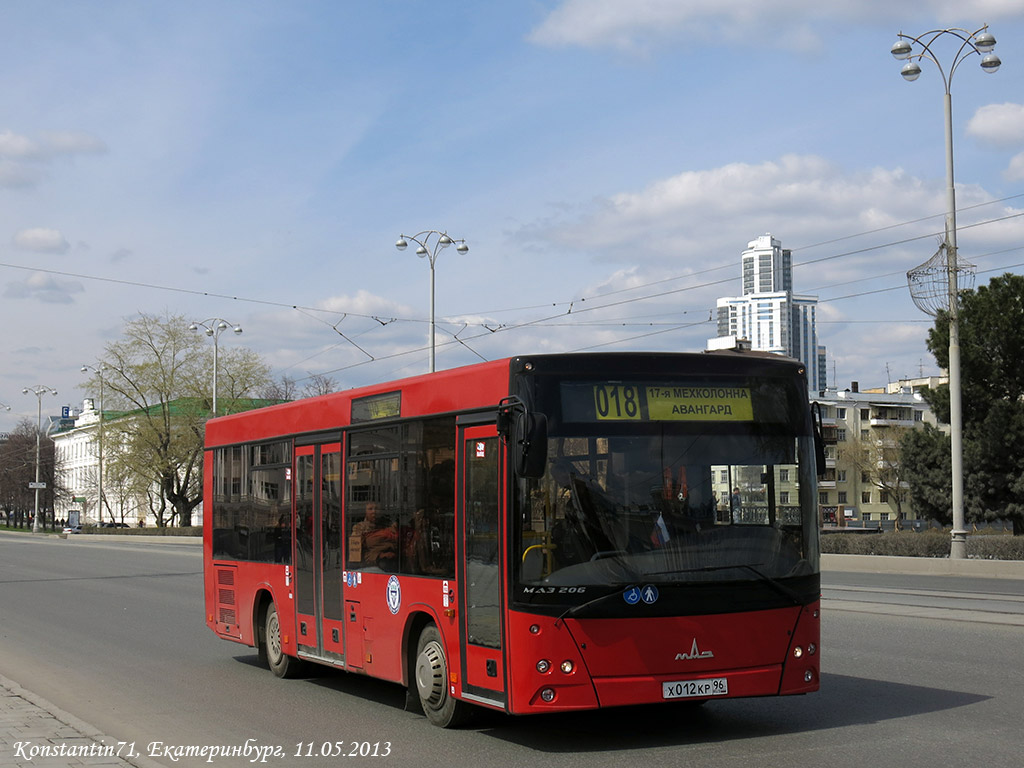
(862,485)
(77,449)
(769,314)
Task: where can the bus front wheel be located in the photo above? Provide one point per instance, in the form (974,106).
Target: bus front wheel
(280,663)
(431,680)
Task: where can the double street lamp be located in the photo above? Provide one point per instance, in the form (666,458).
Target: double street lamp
(214,327)
(99,454)
(424,249)
(39,390)
(944,295)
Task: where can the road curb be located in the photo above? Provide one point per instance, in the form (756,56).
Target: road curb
(928,566)
(19,731)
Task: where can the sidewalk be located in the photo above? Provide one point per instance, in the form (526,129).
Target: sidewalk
(36,734)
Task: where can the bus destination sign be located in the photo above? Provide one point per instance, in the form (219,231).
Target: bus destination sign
(671,402)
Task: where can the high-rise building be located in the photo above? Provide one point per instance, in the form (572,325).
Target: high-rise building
(769,314)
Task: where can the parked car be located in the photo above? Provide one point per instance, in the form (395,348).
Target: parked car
(72,529)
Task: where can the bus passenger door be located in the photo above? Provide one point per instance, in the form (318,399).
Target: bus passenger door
(480,503)
(317,555)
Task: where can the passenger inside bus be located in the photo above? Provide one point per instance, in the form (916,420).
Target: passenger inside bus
(374,540)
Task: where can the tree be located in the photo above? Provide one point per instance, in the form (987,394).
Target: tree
(17,470)
(285,388)
(991,348)
(991,323)
(319,384)
(881,462)
(925,456)
(159,376)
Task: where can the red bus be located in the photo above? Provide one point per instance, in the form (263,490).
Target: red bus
(535,534)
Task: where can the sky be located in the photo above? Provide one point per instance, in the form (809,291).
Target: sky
(606,162)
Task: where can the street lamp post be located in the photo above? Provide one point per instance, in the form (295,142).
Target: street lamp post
(39,390)
(99,451)
(213,327)
(913,50)
(425,250)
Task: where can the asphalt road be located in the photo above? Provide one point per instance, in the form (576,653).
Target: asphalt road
(917,671)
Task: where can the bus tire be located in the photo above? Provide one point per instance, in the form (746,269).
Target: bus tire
(430,677)
(280,663)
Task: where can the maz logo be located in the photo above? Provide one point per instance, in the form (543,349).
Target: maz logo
(695,653)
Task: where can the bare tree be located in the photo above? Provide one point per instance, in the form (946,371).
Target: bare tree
(285,388)
(17,470)
(878,461)
(319,384)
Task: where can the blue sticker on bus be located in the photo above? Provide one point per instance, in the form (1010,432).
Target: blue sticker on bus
(649,594)
(631,595)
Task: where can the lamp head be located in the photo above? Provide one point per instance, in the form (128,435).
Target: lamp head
(401,244)
(985,42)
(901,50)
(990,62)
(911,71)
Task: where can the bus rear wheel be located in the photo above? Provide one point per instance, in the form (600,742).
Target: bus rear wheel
(280,663)
(431,681)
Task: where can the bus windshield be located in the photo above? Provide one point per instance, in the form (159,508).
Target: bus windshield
(650,499)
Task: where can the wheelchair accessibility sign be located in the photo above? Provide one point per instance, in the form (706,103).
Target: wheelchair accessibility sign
(647,594)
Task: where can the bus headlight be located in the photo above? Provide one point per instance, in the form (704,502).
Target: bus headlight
(567,666)
(543,666)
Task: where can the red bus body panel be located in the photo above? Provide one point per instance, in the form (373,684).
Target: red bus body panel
(625,661)
(613,661)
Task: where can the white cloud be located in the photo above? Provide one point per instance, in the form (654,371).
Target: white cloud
(45,288)
(1016,170)
(14,146)
(22,158)
(696,214)
(51,144)
(41,240)
(999,125)
(17,175)
(640,24)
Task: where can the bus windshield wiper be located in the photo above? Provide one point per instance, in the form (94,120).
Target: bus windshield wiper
(572,610)
(775,584)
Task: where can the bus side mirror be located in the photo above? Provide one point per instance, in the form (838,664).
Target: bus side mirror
(530,444)
(819,438)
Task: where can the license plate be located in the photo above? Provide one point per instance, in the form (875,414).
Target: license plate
(695,689)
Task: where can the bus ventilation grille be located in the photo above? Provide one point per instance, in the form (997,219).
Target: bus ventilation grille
(226,598)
